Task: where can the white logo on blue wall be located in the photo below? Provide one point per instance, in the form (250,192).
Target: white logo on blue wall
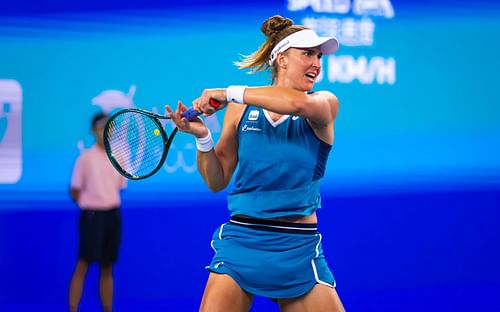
(177,158)
(4,121)
(110,100)
(10,131)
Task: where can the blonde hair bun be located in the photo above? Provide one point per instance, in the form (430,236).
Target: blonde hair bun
(275,24)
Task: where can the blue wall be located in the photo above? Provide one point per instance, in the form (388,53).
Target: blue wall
(412,191)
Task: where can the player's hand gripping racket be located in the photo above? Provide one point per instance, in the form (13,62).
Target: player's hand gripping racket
(136,142)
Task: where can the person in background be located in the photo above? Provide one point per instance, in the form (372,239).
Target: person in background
(280,137)
(96,188)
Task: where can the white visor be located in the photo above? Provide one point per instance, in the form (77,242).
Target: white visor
(305,38)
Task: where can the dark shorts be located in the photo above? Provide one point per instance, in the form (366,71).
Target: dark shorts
(100,233)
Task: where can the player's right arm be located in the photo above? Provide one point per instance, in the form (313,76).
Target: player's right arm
(217,165)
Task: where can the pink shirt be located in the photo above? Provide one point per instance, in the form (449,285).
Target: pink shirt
(97,180)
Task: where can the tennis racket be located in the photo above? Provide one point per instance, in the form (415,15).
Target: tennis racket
(136,142)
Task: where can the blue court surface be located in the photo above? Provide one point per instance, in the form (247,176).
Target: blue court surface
(401,252)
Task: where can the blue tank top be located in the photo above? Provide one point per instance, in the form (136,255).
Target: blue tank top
(280,166)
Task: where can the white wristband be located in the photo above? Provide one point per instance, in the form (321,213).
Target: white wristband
(235,94)
(205,144)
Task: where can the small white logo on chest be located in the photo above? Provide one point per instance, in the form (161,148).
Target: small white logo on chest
(253,115)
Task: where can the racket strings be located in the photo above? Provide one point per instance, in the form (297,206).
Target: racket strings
(135,143)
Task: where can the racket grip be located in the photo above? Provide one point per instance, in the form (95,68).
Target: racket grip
(191,114)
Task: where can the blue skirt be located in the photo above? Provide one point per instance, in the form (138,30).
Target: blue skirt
(271,259)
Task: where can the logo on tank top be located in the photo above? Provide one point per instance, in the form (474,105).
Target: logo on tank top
(253,115)
(246,128)
(218,264)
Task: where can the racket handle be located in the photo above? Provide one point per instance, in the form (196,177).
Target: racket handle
(191,114)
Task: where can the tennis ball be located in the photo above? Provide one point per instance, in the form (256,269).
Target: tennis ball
(156,132)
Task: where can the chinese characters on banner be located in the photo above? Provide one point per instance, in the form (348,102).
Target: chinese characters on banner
(352,22)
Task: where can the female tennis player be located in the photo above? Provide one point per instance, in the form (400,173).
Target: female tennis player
(280,137)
